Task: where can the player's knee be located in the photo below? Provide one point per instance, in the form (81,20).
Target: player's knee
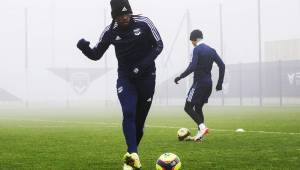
(139,132)
(129,114)
(128,119)
(198,109)
(188,108)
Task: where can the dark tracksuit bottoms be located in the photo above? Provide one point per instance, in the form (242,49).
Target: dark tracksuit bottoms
(135,96)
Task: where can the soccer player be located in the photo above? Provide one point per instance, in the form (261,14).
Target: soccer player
(137,44)
(203,57)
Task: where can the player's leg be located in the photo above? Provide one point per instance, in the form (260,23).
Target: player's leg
(202,129)
(202,98)
(142,113)
(199,111)
(127,95)
(189,109)
(189,104)
(146,88)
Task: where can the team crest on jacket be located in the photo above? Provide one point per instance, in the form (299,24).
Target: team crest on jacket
(137,31)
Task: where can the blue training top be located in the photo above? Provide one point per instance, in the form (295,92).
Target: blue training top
(201,64)
(136,47)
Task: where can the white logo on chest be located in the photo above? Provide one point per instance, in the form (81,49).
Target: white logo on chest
(137,31)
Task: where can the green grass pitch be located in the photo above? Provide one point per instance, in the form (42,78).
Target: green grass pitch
(92,139)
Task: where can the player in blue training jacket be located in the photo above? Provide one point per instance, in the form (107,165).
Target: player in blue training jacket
(203,58)
(137,44)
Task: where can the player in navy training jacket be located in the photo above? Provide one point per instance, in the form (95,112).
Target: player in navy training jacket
(137,44)
(203,58)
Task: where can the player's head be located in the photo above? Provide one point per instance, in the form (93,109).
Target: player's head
(196,36)
(121,12)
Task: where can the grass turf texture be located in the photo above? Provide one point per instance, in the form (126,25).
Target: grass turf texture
(89,139)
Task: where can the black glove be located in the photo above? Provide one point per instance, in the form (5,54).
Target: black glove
(219,87)
(83,44)
(177,79)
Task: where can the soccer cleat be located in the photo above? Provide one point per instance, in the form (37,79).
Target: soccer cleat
(132,160)
(199,139)
(201,134)
(127,167)
(189,138)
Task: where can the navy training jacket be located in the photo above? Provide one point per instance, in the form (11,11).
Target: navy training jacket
(136,47)
(203,58)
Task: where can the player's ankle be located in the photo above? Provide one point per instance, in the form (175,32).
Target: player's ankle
(202,126)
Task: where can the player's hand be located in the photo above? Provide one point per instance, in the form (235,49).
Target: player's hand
(177,79)
(83,44)
(219,87)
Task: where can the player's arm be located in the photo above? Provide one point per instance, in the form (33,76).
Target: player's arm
(157,46)
(191,68)
(97,52)
(221,66)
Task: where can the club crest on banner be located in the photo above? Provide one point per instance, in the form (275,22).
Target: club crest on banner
(79,79)
(80,82)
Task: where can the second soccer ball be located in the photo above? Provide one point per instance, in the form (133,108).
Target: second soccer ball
(183,133)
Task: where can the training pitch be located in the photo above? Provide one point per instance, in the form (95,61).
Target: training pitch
(71,139)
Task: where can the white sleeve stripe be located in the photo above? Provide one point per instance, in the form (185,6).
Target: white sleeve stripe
(150,24)
(102,34)
(153,29)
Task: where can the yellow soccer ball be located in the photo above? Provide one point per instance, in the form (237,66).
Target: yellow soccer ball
(168,161)
(183,133)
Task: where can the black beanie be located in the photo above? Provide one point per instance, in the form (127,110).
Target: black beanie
(120,7)
(196,34)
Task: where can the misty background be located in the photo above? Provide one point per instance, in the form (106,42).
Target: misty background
(259,41)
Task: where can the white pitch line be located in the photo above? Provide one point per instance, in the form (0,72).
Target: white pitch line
(225,130)
(289,133)
(61,121)
(115,125)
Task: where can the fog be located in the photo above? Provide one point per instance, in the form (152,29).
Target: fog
(40,64)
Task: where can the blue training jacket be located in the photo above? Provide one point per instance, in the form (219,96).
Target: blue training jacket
(201,64)
(138,46)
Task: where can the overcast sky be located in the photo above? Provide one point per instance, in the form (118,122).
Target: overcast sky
(280,20)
